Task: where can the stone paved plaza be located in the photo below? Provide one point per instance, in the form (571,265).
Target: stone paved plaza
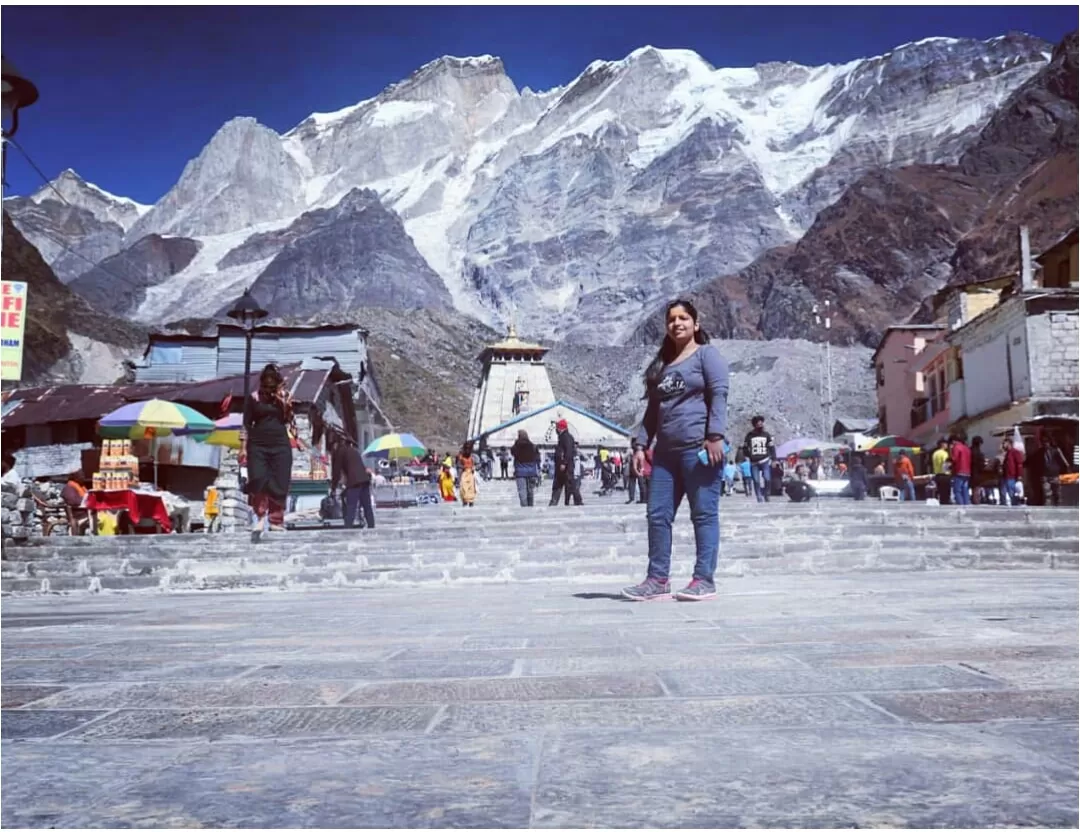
(887,699)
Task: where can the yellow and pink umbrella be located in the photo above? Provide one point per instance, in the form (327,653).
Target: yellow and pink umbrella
(396,446)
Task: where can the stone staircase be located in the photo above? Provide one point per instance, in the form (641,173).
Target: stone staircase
(604,541)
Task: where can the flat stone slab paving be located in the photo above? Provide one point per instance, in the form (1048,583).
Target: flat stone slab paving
(913,699)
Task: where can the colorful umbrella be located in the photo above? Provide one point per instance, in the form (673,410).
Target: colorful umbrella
(154,418)
(396,446)
(821,448)
(793,446)
(149,419)
(227,431)
(892,445)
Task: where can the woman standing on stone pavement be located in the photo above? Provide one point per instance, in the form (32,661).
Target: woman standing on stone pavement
(686,416)
(267,448)
(526,468)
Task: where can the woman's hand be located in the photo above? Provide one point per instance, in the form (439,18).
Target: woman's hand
(715,449)
(639,462)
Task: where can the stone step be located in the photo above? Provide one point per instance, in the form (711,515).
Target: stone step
(493,543)
(525,536)
(617,572)
(365,542)
(418,522)
(796,555)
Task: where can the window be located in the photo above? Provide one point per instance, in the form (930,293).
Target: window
(955,368)
(942,392)
(932,394)
(920,411)
(166,354)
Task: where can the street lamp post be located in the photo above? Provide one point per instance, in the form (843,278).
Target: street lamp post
(826,388)
(17,92)
(247,312)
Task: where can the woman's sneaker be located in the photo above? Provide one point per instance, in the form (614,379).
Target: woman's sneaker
(648,590)
(697,590)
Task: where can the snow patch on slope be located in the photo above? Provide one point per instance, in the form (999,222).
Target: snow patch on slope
(138,206)
(187,293)
(764,121)
(395,113)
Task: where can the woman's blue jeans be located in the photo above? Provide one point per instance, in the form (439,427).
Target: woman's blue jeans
(674,474)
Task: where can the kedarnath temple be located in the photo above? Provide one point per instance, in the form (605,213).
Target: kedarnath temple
(514,393)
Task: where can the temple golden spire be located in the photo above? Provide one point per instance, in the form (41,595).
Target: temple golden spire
(512,343)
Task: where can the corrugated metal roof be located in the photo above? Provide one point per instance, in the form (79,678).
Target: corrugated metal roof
(325,327)
(9,406)
(1069,238)
(288,346)
(76,402)
(309,385)
(72,402)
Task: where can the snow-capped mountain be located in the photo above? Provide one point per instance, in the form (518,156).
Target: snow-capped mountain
(71,188)
(73,223)
(579,207)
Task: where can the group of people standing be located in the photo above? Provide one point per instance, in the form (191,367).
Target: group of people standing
(966,475)
(566,476)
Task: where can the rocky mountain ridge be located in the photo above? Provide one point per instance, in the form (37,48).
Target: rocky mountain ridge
(898,235)
(576,208)
(73,223)
(66,340)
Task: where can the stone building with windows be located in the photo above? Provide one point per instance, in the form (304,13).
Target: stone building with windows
(899,385)
(1000,353)
(1017,360)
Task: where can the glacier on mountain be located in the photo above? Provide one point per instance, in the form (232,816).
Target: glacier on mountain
(580,206)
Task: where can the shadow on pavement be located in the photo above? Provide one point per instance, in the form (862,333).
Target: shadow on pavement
(596,596)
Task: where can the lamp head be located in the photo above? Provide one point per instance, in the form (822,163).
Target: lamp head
(247,310)
(17,92)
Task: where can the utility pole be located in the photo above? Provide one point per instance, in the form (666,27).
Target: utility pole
(825,368)
(17,92)
(828,369)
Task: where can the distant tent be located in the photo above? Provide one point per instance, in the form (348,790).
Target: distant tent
(843,425)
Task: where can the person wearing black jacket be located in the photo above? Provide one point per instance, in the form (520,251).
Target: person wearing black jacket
(565,452)
(1051,464)
(978,469)
(348,470)
(526,468)
(857,477)
(759,449)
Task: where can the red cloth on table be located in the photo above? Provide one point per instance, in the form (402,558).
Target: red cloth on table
(137,504)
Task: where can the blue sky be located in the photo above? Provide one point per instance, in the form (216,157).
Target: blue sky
(130,94)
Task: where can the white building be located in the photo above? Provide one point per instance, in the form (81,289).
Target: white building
(514,393)
(1016,362)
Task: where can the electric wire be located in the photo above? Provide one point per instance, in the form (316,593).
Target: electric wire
(37,229)
(33,164)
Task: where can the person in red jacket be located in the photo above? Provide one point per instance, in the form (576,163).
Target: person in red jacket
(1012,471)
(960,457)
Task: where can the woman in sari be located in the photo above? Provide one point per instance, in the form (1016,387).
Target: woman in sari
(446,485)
(467,465)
